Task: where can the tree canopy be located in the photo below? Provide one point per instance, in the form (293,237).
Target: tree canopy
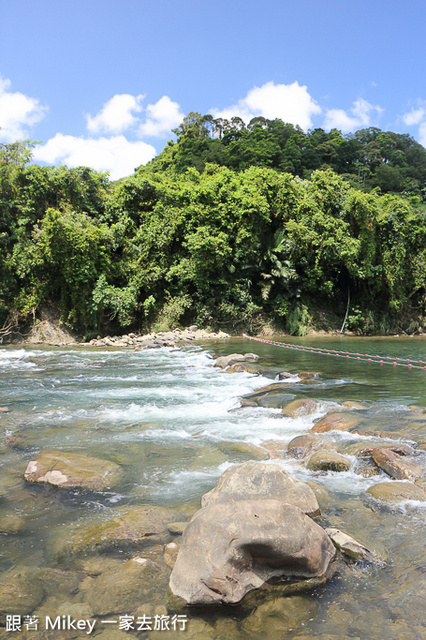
(368,159)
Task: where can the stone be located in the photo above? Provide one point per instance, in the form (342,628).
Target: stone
(349,546)
(123,590)
(4,409)
(15,441)
(274,449)
(396,466)
(300,446)
(171,551)
(273,400)
(299,408)
(224,361)
(243,448)
(272,396)
(177,528)
(274,387)
(138,527)
(351,404)
(229,549)
(335,421)
(21,592)
(328,461)
(256,480)
(278,616)
(239,367)
(308,375)
(71,470)
(57,582)
(397,492)
(365,450)
(389,435)
(285,375)
(11,523)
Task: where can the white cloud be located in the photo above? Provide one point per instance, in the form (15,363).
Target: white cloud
(17,112)
(162,117)
(117,155)
(290,102)
(415,116)
(362,116)
(117,114)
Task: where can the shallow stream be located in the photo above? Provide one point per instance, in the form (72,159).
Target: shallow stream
(174,423)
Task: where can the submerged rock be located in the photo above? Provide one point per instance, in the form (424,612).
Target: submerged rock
(231,548)
(136,528)
(351,404)
(171,551)
(396,491)
(122,591)
(300,407)
(255,480)
(71,470)
(20,592)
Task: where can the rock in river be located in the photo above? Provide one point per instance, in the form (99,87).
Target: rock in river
(20,591)
(256,480)
(299,408)
(328,461)
(302,445)
(349,546)
(397,492)
(395,465)
(137,527)
(336,421)
(230,548)
(70,470)
(124,590)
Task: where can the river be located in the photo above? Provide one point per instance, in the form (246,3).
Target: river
(174,423)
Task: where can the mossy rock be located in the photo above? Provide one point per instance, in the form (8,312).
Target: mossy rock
(72,470)
(328,461)
(394,492)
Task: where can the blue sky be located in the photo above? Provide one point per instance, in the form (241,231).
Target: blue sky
(102,82)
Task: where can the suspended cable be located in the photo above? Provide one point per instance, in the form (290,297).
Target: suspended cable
(365,357)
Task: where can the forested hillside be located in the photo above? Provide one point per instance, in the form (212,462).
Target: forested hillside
(232,240)
(368,159)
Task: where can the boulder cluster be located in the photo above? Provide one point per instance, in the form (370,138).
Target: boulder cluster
(156,340)
(386,454)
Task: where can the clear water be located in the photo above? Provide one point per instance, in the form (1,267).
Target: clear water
(174,423)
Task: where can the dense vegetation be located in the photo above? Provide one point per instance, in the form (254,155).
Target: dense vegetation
(234,243)
(368,159)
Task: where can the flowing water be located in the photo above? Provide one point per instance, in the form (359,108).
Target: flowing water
(174,423)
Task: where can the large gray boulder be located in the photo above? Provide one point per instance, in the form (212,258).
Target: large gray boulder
(231,548)
(256,480)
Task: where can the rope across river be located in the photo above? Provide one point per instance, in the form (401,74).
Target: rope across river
(365,357)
